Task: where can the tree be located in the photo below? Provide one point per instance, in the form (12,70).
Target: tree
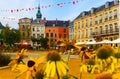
(1,39)
(34,39)
(10,36)
(43,42)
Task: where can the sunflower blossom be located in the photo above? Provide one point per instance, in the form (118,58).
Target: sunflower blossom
(17,59)
(55,64)
(29,68)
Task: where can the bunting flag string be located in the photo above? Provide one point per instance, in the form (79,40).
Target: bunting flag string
(9,18)
(34,8)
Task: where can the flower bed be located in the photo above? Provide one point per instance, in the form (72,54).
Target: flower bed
(4,60)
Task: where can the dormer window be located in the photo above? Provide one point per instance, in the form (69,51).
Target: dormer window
(83,14)
(116,2)
(106,4)
(92,10)
(53,25)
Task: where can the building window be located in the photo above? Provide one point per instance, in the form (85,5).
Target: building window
(33,29)
(51,40)
(82,33)
(106,28)
(60,35)
(53,25)
(79,35)
(49,30)
(47,34)
(96,30)
(111,28)
(116,27)
(106,16)
(90,31)
(38,35)
(75,26)
(100,29)
(96,20)
(38,29)
(64,30)
(90,21)
(82,24)
(78,25)
(55,35)
(51,34)
(87,33)
(42,35)
(28,26)
(23,27)
(23,34)
(86,23)
(100,19)
(110,17)
(64,35)
(34,35)
(115,14)
(28,34)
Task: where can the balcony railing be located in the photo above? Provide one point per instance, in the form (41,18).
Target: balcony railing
(96,22)
(106,32)
(100,21)
(106,19)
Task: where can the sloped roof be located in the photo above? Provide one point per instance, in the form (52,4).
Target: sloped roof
(56,23)
(95,10)
(25,18)
(36,21)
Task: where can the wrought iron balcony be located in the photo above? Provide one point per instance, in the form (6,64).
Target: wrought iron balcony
(106,19)
(106,32)
(96,22)
(100,21)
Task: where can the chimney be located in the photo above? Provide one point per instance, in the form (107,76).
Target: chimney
(56,20)
(44,19)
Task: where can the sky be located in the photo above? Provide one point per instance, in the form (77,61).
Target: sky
(68,11)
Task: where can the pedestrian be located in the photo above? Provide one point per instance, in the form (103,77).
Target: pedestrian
(82,53)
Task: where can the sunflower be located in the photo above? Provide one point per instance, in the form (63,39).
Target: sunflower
(29,68)
(17,59)
(83,68)
(55,64)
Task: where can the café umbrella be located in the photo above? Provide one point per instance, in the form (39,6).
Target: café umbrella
(105,42)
